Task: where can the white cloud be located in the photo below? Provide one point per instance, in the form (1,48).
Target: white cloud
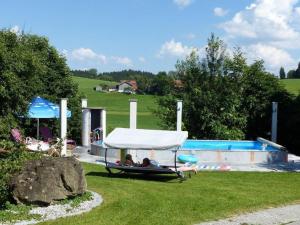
(122,60)
(142,59)
(267,29)
(183,3)
(173,48)
(16,29)
(191,36)
(267,20)
(273,57)
(87,54)
(88,57)
(220,12)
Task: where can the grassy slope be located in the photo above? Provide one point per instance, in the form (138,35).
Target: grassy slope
(292,85)
(207,196)
(117,105)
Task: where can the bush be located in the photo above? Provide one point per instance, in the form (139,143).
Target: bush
(30,67)
(10,163)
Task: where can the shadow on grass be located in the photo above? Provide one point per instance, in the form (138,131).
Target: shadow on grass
(150,177)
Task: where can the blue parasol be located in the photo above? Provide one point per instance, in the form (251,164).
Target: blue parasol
(42,108)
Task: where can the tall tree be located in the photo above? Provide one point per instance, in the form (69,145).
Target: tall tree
(215,55)
(297,72)
(162,84)
(211,111)
(291,74)
(282,73)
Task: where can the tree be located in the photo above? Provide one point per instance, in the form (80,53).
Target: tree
(162,84)
(211,111)
(30,67)
(93,72)
(282,73)
(215,55)
(297,72)
(259,89)
(291,74)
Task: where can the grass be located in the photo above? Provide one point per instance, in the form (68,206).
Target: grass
(117,105)
(292,85)
(207,196)
(14,212)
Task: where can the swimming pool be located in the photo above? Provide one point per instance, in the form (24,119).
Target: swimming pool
(227,145)
(212,151)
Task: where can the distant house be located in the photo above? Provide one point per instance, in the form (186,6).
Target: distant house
(112,88)
(127,86)
(98,88)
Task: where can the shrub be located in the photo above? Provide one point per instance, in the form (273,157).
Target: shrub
(10,163)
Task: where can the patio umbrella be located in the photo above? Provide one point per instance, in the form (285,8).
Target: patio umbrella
(42,108)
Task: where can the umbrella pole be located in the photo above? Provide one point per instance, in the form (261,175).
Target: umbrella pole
(38,129)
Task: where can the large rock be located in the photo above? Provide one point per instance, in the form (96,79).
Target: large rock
(43,181)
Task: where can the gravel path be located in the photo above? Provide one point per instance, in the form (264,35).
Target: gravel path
(57,211)
(276,216)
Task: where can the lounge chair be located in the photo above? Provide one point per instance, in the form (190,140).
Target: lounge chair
(48,137)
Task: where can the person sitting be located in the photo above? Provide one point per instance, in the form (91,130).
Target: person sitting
(146,162)
(128,160)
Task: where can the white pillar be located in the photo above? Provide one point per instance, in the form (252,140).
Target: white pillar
(133,113)
(84,103)
(132,124)
(86,127)
(63,125)
(103,121)
(274,121)
(179,115)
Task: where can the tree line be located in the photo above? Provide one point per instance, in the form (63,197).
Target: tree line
(292,74)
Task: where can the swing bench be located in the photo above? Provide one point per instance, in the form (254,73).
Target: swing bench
(142,139)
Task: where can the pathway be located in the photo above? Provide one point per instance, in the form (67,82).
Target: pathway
(276,216)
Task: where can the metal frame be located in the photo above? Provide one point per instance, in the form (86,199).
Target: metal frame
(179,173)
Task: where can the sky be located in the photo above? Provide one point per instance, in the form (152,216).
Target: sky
(152,35)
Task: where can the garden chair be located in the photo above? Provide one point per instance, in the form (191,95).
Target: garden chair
(48,137)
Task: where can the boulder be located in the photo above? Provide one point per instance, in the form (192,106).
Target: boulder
(46,180)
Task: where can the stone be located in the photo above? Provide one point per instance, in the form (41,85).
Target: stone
(44,181)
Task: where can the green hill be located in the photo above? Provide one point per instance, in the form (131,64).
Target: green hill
(117,104)
(292,85)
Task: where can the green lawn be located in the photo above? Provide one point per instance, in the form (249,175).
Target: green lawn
(117,105)
(292,85)
(207,196)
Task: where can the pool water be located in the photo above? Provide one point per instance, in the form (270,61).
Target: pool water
(225,145)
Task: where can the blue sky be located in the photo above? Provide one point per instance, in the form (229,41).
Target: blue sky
(152,35)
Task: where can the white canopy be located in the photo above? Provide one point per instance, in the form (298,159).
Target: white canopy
(141,139)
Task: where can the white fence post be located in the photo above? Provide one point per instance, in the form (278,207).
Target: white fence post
(179,115)
(84,103)
(63,125)
(133,113)
(274,121)
(103,121)
(132,124)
